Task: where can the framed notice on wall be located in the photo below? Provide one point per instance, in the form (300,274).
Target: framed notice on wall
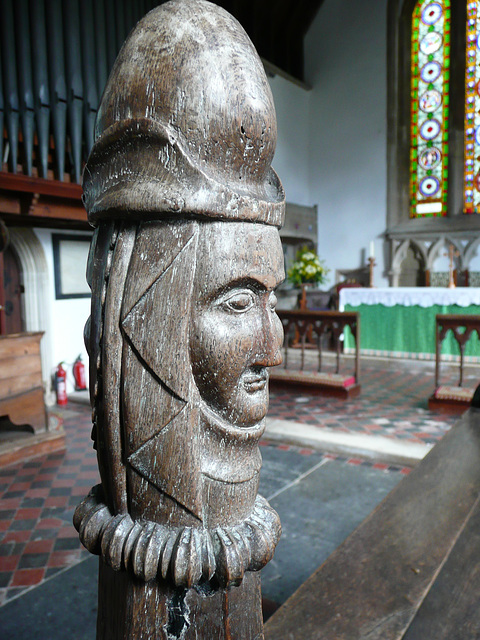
(70,253)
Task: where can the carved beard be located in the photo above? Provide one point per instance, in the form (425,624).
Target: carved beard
(166,454)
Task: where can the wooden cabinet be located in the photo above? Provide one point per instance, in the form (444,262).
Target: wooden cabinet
(21,387)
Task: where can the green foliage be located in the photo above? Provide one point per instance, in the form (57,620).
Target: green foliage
(307,268)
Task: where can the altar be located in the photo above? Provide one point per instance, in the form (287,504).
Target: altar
(400,321)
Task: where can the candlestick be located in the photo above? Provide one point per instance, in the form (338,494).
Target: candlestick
(451,255)
(372,264)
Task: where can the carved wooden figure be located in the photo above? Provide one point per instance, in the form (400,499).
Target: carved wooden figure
(183,267)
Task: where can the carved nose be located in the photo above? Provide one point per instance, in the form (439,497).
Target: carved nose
(269,352)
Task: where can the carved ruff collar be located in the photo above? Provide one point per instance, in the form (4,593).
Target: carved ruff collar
(189,556)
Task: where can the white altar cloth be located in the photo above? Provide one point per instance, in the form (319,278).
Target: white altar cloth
(410,296)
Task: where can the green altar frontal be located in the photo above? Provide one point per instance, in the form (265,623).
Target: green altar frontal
(398,328)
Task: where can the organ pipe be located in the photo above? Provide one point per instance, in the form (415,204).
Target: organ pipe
(9,62)
(40,82)
(55,57)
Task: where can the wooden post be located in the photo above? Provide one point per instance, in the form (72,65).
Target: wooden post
(183,267)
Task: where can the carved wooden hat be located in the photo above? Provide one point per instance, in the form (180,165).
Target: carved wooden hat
(186,124)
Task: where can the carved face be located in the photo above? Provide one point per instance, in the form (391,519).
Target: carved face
(235,333)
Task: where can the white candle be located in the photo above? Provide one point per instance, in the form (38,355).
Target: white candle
(372,249)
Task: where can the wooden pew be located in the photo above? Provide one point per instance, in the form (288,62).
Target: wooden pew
(410,570)
(305,328)
(446,397)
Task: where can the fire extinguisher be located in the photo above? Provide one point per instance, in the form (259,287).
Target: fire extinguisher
(79,374)
(61,384)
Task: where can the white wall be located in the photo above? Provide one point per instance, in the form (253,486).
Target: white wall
(345,134)
(291,160)
(68,317)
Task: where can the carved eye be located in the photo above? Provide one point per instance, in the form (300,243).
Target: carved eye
(273,301)
(240,302)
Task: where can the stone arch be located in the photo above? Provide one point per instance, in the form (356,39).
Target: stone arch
(441,278)
(470,252)
(36,281)
(412,252)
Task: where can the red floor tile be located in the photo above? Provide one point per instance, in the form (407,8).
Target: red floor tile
(81,492)
(17,536)
(28,514)
(49,523)
(63,558)
(67,532)
(56,501)
(39,546)
(65,483)
(9,563)
(19,486)
(45,477)
(10,503)
(27,577)
(37,493)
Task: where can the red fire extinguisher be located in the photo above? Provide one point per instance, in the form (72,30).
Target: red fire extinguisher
(61,384)
(79,374)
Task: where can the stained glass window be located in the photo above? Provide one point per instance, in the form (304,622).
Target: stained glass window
(471,171)
(429,104)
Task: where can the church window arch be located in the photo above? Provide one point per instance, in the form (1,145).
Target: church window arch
(454,211)
(430,64)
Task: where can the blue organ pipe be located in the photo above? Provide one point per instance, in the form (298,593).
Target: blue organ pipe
(40,81)
(100,46)
(25,81)
(90,95)
(2,113)
(128,8)
(58,85)
(111,37)
(120,23)
(73,59)
(7,47)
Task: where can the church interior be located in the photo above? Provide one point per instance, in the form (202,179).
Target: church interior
(378,150)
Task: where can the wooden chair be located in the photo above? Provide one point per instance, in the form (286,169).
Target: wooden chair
(447,397)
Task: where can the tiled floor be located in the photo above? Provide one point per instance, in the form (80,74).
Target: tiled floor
(392,403)
(38,497)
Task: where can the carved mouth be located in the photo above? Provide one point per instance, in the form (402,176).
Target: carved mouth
(255,380)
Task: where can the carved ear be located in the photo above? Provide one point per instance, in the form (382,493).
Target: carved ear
(157,323)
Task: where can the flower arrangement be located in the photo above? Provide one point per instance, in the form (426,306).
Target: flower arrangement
(307,268)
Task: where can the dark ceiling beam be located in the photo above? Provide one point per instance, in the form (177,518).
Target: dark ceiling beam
(282,40)
(277,28)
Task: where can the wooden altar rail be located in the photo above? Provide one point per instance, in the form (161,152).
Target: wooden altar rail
(448,397)
(305,329)
(410,570)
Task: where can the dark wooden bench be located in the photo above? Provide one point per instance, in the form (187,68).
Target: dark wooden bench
(410,570)
(447,397)
(306,330)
